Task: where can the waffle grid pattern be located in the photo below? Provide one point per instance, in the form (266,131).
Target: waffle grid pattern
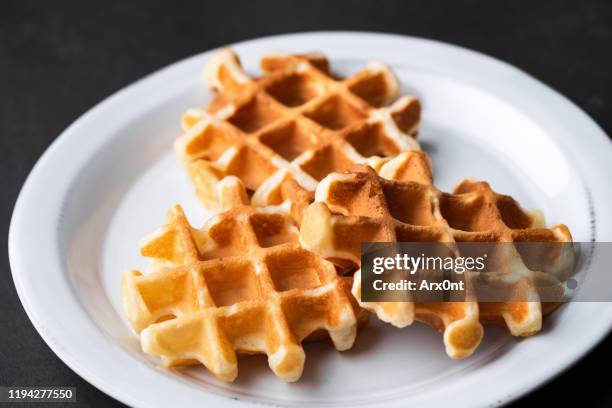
(360,206)
(296,122)
(241,284)
(300,168)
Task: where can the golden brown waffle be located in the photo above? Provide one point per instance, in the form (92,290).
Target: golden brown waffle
(241,284)
(295,123)
(359,206)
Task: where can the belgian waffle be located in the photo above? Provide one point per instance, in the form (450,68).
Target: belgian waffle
(359,206)
(241,284)
(295,124)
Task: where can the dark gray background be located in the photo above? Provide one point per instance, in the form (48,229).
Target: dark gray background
(58,60)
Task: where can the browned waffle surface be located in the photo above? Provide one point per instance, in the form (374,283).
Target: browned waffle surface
(360,206)
(297,122)
(241,284)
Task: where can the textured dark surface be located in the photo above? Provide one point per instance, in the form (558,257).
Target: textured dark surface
(59,60)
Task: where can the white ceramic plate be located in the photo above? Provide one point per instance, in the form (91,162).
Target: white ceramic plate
(109,178)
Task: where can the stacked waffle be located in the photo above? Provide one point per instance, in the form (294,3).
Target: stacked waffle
(300,168)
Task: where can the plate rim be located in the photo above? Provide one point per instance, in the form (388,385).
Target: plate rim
(19,218)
